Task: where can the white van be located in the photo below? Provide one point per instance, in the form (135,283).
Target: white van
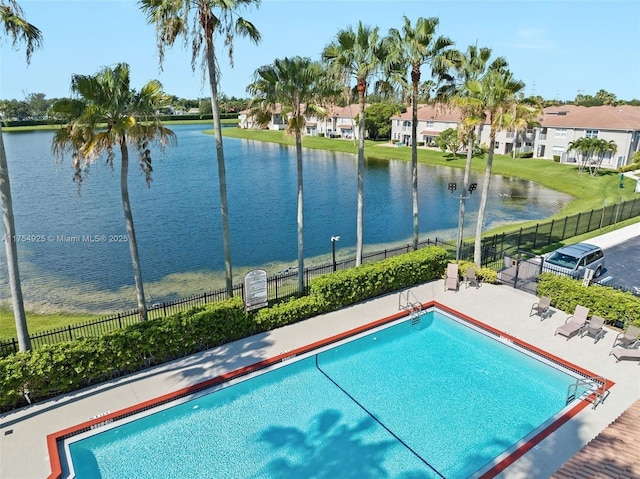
(572,260)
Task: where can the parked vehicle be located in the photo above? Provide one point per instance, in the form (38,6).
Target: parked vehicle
(572,260)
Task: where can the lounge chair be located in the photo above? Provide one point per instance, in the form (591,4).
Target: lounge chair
(595,328)
(628,338)
(470,277)
(624,353)
(451,278)
(574,324)
(542,307)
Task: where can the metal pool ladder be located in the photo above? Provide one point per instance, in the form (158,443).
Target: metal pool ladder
(412,305)
(595,387)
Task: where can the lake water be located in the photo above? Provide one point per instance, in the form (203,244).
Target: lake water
(72,253)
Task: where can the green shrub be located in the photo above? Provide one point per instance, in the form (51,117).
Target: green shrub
(613,305)
(556,158)
(64,367)
(484,275)
(629,167)
(290,312)
(374,279)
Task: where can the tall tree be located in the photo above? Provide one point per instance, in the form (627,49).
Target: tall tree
(200,21)
(106,114)
(470,66)
(602,149)
(411,49)
(19,30)
(585,148)
(360,54)
(496,94)
(294,84)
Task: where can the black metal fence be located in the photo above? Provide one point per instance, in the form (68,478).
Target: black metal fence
(496,247)
(285,285)
(279,288)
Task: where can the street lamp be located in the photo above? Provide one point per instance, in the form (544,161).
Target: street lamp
(461,197)
(334,240)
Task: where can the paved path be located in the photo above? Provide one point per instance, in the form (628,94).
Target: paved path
(23,452)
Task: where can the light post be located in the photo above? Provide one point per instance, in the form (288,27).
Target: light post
(334,240)
(461,197)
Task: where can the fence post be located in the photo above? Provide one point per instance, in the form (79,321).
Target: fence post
(119,321)
(519,237)
(535,236)
(564,228)
(70,333)
(575,233)
(589,223)
(550,232)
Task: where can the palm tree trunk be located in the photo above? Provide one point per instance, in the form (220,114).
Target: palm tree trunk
(477,252)
(360,213)
(128,220)
(463,199)
(300,213)
(11,246)
(222,174)
(414,160)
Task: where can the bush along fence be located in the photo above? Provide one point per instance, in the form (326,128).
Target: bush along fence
(283,286)
(280,287)
(55,369)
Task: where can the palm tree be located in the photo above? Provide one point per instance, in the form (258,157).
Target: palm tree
(295,84)
(14,24)
(201,20)
(107,114)
(410,50)
(495,94)
(584,147)
(470,66)
(360,54)
(602,148)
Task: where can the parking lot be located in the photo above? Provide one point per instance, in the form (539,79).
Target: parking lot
(622,264)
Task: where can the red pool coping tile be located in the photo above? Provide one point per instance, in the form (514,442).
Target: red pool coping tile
(55,438)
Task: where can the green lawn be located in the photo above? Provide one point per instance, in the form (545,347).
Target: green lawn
(38,322)
(589,192)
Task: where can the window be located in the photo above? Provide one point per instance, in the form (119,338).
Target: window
(561,132)
(558,151)
(429,124)
(496,145)
(592,134)
(406,124)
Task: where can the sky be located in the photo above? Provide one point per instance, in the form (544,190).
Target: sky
(558,48)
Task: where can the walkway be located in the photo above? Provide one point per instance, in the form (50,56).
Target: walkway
(24,455)
(23,432)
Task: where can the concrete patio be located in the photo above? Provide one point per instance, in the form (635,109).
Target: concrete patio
(23,451)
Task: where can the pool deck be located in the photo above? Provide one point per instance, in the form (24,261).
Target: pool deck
(24,454)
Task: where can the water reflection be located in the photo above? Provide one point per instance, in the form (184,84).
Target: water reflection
(178,221)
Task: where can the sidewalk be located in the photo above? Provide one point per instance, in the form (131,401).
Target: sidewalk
(23,452)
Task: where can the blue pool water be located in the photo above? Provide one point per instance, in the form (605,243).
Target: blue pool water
(436,399)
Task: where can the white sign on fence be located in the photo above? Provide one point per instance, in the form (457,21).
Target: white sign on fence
(255,289)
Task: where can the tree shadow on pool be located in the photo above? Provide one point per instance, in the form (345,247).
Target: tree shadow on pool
(331,448)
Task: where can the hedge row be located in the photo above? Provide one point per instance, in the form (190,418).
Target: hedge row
(65,367)
(613,305)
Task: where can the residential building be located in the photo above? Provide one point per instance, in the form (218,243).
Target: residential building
(558,127)
(340,122)
(561,125)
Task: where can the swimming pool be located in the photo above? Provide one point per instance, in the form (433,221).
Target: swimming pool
(423,397)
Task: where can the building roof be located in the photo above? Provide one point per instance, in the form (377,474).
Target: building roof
(439,112)
(615,452)
(623,117)
(349,111)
